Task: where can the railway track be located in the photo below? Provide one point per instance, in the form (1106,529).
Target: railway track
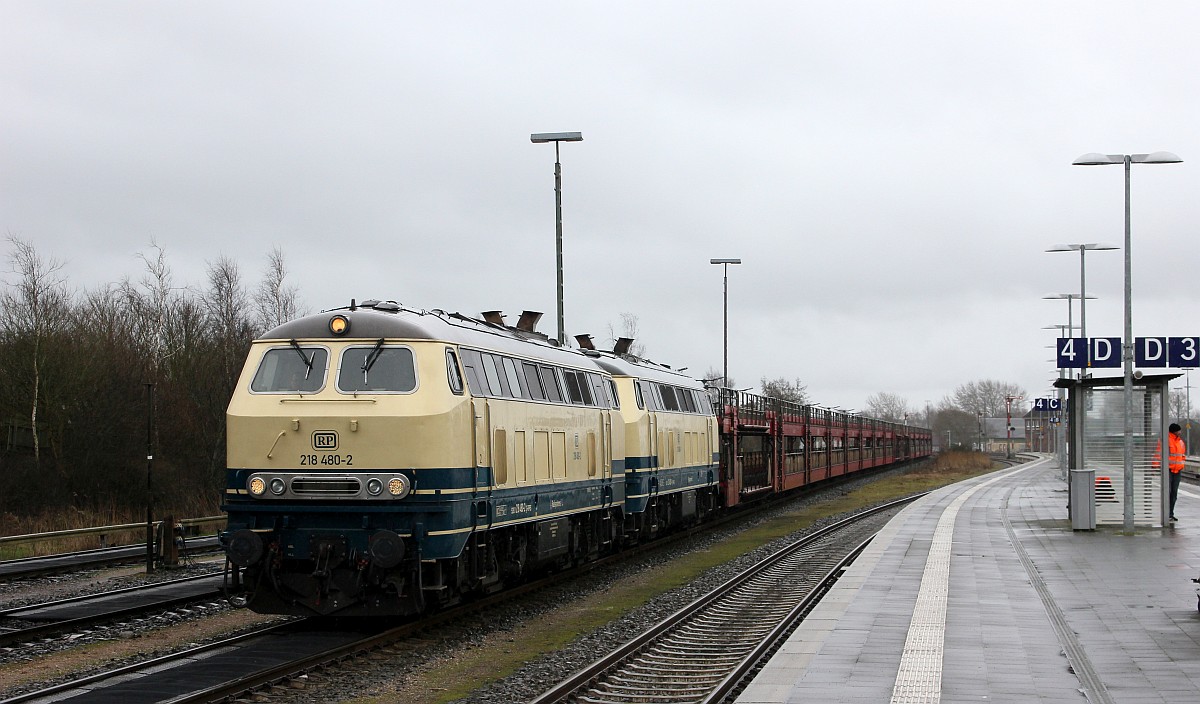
(24,624)
(702,653)
(26,567)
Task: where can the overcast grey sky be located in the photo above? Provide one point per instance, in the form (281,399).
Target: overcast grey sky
(889,173)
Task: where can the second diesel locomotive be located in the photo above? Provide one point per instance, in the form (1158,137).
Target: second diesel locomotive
(382,460)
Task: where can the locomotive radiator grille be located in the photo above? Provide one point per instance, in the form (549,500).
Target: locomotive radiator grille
(326,486)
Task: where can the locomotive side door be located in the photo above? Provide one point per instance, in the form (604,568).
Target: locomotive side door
(655,461)
(482,434)
(606,444)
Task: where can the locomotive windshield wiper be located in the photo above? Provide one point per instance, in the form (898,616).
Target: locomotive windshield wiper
(307,361)
(370,361)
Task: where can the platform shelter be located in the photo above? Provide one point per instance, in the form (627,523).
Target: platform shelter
(1096,450)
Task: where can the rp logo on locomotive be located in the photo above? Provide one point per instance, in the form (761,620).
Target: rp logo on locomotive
(325,440)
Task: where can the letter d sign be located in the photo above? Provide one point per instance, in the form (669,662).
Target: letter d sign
(1150,351)
(1106,352)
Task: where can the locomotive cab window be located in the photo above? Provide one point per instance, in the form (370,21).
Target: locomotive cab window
(452,374)
(291,370)
(377,369)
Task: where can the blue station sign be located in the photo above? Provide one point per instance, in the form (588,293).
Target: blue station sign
(1048,404)
(1105,352)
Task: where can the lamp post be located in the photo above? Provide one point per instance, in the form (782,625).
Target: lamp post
(1187,424)
(1083,248)
(1094,159)
(1068,297)
(556,137)
(725,316)
(1008,402)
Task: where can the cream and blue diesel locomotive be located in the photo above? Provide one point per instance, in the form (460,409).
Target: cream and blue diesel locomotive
(381,459)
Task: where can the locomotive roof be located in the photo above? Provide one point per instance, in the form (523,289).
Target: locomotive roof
(625,365)
(372,320)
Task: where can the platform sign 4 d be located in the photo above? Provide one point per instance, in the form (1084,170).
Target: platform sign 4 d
(1084,352)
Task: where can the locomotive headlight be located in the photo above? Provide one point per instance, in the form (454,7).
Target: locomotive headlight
(339,324)
(257,486)
(374,487)
(277,486)
(399,486)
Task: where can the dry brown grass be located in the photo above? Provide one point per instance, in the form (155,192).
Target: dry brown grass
(51,520)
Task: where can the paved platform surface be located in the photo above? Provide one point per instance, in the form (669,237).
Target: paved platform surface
(981,592)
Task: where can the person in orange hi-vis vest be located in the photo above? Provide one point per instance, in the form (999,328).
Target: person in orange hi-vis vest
(1174,463)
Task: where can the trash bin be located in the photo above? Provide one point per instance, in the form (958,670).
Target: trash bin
(1083,499)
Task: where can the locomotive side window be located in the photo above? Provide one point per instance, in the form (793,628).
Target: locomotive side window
(649,395)
(514,379)
(688,401)
(550,381)
(599,391)
(637,394)
(291,370)
(492,374)
(612,394)
(452,374)
(377,369)
(473,368)
(533,382)
(668,397)
(577,388)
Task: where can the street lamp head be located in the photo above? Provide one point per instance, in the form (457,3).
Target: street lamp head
(1067,296)
(724,261)
(1081,247)
(1094,159)
(1155,158)
(543,137)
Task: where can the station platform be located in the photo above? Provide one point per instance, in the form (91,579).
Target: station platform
(981,592)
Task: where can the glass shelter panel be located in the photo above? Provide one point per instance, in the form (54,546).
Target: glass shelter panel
(1104,451)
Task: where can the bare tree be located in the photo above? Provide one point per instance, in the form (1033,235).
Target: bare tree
(151,302)
(888,406)
(225,299)
(35,308)
(1179,405)
(274,301)
(794,391)
(987,396)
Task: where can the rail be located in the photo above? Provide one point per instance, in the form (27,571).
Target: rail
(191,526)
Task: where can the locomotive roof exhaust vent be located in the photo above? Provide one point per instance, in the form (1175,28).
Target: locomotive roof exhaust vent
(494,317)
(529,320)
(623,345)
(585,342)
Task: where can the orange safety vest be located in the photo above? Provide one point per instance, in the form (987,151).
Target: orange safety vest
(1178,454)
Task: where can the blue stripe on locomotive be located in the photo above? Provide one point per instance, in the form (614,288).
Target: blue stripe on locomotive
(644,479)
(441,522)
